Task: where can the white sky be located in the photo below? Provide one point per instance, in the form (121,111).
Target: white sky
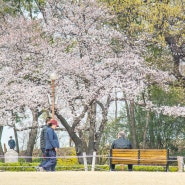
(7,132)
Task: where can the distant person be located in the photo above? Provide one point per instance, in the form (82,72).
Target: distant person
(43,141)
(11,143)
(121,143)
(52,145)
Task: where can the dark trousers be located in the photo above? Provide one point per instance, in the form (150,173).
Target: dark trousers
(51,161)
(112,167)
(44,157)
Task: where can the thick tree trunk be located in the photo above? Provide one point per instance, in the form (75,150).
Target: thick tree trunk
(16,140)
(80,145)
(32,138)
(92,131)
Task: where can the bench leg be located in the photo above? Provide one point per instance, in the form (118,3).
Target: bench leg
(122,167)
(130,167)
(112,167)
(167,168)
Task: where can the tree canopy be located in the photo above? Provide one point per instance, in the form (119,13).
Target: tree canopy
(96,52)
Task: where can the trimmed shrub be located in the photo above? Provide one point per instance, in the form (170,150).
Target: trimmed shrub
(78,167)
(17,166)
(68,157)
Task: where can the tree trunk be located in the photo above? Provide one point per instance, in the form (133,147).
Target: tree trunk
(177,53)
(92,130)
(1,148)
(146,129)
(94,136)
(151,129)
(16,140)
(80,145)
(98,135)
(131,122)
(116,107)
(32,138)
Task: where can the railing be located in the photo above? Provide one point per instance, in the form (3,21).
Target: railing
(86,167)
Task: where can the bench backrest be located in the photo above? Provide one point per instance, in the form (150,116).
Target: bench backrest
(153,156)
(124,156)
(139,156)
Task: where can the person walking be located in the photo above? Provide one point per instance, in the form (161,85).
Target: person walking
(52,145)
(43,142)
(11,143)
(121,143)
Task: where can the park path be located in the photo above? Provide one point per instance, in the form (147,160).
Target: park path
(92,178)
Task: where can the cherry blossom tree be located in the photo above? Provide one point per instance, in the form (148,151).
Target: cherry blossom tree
(92,60)
(21,87)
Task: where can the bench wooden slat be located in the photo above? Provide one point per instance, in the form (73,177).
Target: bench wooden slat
(124,156)
(153,156)
(125,162)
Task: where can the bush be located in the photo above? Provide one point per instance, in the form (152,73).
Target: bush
(148,168)
(17,166)
(68,157)
(67,166)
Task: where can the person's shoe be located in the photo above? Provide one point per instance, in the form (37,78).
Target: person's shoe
(112,170)
(37,168)
(41,169)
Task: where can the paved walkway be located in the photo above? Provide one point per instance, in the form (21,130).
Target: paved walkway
(92,178)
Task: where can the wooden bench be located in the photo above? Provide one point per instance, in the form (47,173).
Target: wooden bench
(140,157)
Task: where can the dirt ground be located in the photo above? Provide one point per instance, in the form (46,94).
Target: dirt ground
(92,178)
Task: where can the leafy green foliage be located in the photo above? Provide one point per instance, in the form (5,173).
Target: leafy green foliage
(159,25)
(18,166)
(173,96)
(68,161)
(15,167)
(161,17)
(162,131)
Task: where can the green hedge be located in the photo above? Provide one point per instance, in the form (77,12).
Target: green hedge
(149,168)
(23,166)
(19,166)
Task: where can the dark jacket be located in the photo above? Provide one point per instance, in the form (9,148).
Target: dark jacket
(11,144)
(121,143)
(43,137)
(51,139)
